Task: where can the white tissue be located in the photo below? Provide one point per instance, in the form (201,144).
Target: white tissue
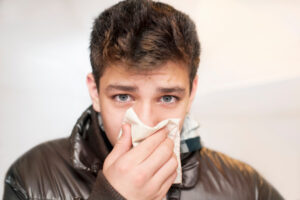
(140,131)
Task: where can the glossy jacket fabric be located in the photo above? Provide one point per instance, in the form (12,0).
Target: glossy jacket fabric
(70,168)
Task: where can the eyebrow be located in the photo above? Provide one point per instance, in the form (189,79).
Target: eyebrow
(126,88)
(179,90)
(121,87)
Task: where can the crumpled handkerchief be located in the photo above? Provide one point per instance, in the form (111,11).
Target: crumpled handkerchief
(140,131)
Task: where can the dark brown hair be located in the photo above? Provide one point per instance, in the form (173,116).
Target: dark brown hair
(143,35)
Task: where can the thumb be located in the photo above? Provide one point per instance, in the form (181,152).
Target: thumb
(122,146)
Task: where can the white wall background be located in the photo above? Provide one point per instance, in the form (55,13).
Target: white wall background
(249,92)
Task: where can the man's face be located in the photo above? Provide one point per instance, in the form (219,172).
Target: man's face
(155,96)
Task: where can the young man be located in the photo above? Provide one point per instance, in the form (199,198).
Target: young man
(144,56)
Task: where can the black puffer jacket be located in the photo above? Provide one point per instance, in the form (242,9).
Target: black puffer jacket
(70,168)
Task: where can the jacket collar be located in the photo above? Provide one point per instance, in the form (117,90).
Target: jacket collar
(90,146)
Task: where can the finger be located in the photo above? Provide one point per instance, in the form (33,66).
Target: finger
(165,171)
(122,146)
(159,157)
(164,188)
(146,147)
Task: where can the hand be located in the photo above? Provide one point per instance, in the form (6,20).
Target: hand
(146,171)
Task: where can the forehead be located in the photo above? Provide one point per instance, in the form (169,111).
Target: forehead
(169,72)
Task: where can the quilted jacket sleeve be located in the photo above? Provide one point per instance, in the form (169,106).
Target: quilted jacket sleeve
(103,190)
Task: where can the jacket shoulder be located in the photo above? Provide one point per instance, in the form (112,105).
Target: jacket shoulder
(37,173)
(221,174)
(217,161)
(44,156)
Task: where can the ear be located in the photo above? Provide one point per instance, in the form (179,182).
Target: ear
(92,87)
(193,92)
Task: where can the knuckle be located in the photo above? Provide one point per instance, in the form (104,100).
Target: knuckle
(174,161)
(156,138)
(105,165)
(170,143)
(162,192)
(151,191)
(163,132)
(166,131)
(123,168)
(167,150)
(148,148)
(175,174)
(139,178)
(157,196)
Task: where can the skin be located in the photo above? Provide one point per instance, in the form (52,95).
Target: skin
(148,170)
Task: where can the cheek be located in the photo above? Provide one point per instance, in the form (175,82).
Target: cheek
(179,111)
(112,121)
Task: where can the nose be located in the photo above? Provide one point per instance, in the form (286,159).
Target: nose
(145,112)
